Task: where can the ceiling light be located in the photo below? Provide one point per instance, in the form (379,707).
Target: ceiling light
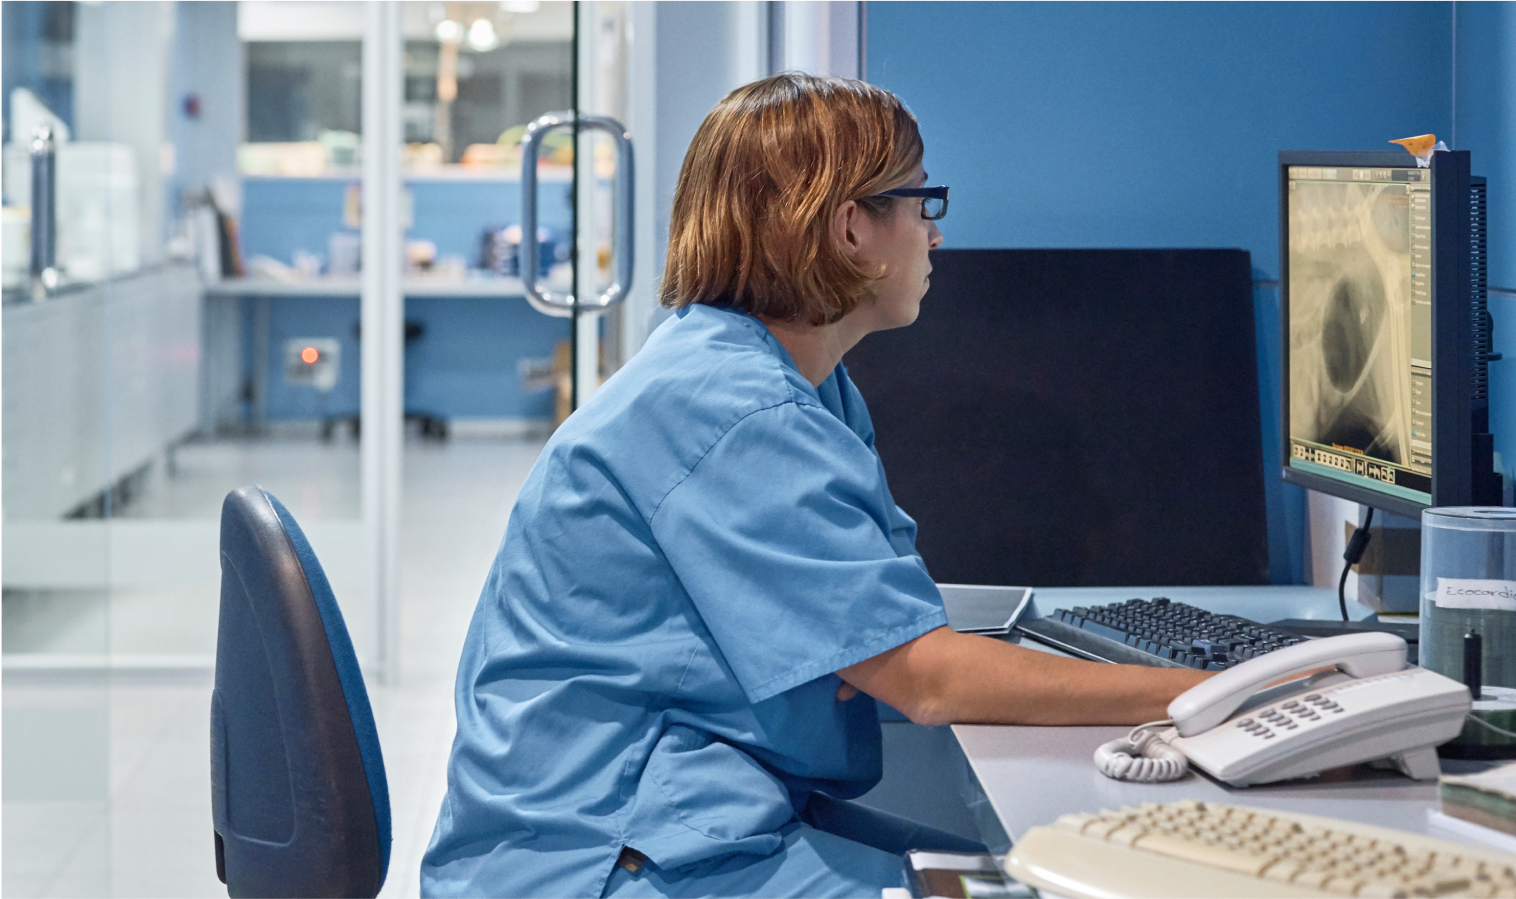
(449,31)
(482,36)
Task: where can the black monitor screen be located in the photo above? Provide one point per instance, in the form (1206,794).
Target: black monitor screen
(1360,326)
(1060,418)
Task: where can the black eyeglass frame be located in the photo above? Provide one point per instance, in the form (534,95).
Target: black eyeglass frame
(927,193)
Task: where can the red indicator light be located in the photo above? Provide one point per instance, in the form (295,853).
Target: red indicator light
(309,355)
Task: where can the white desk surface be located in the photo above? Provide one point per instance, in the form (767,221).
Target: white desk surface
(352,286)
(1032,775)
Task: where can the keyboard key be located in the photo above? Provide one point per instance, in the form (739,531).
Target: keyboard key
(1347,884)
(1178,632)
(1075,822)
(1104,630)
(1338,860)
(1245,863)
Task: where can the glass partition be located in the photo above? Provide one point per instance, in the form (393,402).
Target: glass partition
(153,361)
(176,357)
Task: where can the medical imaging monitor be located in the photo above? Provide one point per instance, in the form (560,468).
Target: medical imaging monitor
(1385,329)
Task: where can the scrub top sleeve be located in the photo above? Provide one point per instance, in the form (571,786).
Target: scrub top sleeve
(782,537)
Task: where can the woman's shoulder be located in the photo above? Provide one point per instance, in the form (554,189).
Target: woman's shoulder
(710,357)
(697,377)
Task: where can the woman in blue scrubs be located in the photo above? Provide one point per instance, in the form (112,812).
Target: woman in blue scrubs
(668,685)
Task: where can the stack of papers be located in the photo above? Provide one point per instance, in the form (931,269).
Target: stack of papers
(973,609)
(1487,799)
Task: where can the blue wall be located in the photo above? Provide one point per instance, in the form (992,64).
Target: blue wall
(26,41)
(282,215)
(465,365)
(1158,125)
(208,65)
(1150,124)
(1486,127)
(1486,123)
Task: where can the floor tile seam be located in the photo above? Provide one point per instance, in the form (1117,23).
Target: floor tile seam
(103,819)
(157,740)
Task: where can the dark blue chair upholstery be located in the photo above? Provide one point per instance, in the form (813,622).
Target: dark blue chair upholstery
(298,794)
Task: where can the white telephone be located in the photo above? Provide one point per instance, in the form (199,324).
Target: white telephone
(1368,708)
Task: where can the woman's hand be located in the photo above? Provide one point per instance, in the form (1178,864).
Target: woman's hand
(846,691)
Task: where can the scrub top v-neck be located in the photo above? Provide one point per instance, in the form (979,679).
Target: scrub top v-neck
(651,663)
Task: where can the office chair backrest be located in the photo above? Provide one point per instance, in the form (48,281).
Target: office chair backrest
(298,794)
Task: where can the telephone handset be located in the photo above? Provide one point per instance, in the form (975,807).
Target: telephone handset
(1212,701)
(1368,707)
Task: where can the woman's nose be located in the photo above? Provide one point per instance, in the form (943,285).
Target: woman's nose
(935,235)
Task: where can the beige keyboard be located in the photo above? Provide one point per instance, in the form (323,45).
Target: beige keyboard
(1185,849)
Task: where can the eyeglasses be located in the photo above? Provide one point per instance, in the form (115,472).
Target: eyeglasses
(934,200)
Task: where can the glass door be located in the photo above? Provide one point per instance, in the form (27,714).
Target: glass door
(483,372)
(600,263)
(516,178)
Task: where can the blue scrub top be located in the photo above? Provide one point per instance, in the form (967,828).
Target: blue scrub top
(651,664)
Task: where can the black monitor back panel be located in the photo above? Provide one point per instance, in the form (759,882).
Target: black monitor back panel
(1076,418)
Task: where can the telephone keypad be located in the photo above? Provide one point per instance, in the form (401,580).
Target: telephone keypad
(1289,715)
(1255,728)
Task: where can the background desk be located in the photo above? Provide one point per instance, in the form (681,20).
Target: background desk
(465,366)
(1031,775)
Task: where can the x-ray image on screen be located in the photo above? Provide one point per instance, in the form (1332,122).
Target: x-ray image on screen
(1359,333)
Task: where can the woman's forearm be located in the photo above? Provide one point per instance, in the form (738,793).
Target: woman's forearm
(999,683)
(945,677)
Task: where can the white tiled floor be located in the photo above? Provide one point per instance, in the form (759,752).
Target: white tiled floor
(106,778)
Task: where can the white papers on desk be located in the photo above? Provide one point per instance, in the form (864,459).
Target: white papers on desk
(976,609)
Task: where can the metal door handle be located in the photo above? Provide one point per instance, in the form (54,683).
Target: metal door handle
(561,303)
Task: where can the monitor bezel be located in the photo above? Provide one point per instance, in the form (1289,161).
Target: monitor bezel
(1452,334)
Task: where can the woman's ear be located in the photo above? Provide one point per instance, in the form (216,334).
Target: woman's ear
(845,227)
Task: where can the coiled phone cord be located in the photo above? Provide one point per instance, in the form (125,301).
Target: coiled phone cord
(1142,757)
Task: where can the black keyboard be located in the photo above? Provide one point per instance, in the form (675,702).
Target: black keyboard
(1159,632)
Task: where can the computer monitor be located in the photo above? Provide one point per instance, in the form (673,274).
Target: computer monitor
(1385,330)
(1077,418)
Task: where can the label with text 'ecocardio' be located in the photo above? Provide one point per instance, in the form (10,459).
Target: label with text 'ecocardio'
(1473,593)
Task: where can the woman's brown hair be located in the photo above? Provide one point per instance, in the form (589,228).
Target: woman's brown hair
(770,165)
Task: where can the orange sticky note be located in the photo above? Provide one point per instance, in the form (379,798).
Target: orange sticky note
(1420,145)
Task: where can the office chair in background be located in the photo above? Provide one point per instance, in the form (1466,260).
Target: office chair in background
(299,800)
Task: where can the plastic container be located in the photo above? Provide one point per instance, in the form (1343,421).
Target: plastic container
(1468,587)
